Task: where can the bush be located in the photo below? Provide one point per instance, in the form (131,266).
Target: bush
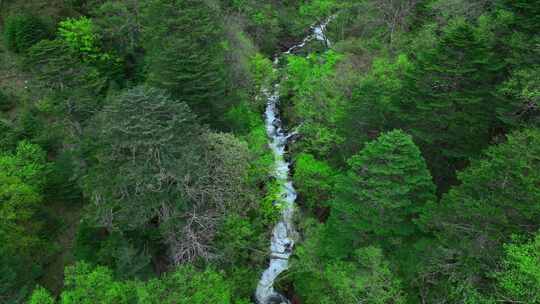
(8,136)
(80,35)
(6,102)
(23,31)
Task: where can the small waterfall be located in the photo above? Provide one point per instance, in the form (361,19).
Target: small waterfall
(282,242)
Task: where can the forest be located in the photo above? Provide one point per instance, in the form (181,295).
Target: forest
(137,162)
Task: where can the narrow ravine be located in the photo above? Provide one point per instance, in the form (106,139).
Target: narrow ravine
(283,234)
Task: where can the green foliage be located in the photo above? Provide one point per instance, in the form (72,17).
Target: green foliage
(381,195)
(163,189)
(378,24)
(85,284)
(443,98)
(366,277)
(447,10)
(375,285)
(23,31)
(374,95)
(242,119)
(236,235)
(153,160)
(261,166)
(520,279)
(118,25)
(317,10)
(317,103)
(6,101)
(136,138)
(452,107)
(314,180)
(528,13)
(81,36)
(497,197)
(119,252)
(185,55)
(22,176)
(262,71)
(8,136)
(57,66)
(82,6)
(263,21)
(522,91)
(76,85)
(187,285)
(15,276)
(41,296)
(272,202)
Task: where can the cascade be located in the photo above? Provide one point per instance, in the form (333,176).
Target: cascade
(282,242)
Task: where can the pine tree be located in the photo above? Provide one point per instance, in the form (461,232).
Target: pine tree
(448,103)
(527,12)
(147,144)
(23,31)
(381,195)
(498,196)
(154,162)
(75,85)
(185,55)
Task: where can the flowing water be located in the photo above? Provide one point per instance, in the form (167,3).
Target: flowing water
(283,234)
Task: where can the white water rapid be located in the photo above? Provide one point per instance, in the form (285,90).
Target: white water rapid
(283,234)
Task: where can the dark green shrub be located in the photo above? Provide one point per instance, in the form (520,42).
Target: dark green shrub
(8,136)
(23,31)
(6,101)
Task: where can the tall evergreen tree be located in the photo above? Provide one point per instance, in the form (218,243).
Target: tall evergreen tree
(498,197)
(185,53)
(148,148)
(381,195)
(23,31)
(448,103)
(527,11)
(156,164)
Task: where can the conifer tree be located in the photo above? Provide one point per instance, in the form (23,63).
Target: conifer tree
(23,31)
(498,196)
(185,53)
(147,144)
(382,193)
(448,104)
(72,84)
(154,162)
(527,12)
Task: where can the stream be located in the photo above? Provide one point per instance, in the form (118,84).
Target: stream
(284,233)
